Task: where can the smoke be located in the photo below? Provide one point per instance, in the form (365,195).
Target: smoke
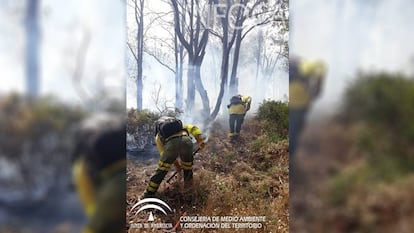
(350,36)
(60,25)
(157,25)
(157,76)
(154,75)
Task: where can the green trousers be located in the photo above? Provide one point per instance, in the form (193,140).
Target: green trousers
(110,211)
(182,147)
(235,122)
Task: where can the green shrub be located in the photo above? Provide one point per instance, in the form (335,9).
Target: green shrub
(32,120)
(384,104)
(275,118)
(143,121)
(381,105)
(341,185)
(140,120)
(382,100)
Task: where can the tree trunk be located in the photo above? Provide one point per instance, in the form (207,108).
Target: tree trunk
(178,74)
(140,50)
(201,90)
(227,40)
(258,62)
(179,62)
(259,53)
(32,47)
(234,82)
(190,85)
(195,46)
(223,77)
(180,78)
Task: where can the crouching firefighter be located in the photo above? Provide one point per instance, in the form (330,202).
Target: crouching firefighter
(99,172)
(173,140)
(238,107)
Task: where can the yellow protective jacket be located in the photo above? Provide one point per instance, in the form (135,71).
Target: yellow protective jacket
(191,129)
(103,204)
(84,186)
(305,88)
(299,96)
(241,108)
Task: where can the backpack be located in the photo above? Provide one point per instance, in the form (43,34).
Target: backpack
(236,100)
(168,126)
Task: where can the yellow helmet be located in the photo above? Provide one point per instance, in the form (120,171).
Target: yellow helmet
(312,69)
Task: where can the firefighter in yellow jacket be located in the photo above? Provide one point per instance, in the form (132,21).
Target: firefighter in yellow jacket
(173,140)
(238,107)
(305,84)
(99,173)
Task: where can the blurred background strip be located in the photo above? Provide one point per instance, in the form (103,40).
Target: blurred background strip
(60,63)
(353,166)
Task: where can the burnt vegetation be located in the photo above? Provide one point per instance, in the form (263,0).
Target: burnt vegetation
(248,177)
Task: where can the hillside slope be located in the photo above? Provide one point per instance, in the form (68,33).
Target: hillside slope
(347,193)
(244,178)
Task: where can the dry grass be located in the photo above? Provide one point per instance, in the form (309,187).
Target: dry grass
(363,204)
(230,179)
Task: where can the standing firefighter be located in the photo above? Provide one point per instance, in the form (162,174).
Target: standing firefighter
(238,107)
(99,173)
(173,140)
(305,83)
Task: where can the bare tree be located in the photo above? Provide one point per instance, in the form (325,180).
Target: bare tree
(227,37)
(238,19)
(258,53)
(138,53)
(95,99)
(233,16)
(179,64)
(32,47)
(192,34)
(78,69)
(160,48)
(271,55)
(261,12)
(160,103)
(270,58)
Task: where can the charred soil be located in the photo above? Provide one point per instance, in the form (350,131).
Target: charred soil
(246,177)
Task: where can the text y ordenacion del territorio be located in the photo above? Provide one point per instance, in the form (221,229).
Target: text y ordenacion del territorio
(228,222)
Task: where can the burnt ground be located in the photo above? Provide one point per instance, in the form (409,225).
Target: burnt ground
(248,177)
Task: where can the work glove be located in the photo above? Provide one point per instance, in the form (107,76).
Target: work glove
(200,141)
(201,145)
(177,165)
